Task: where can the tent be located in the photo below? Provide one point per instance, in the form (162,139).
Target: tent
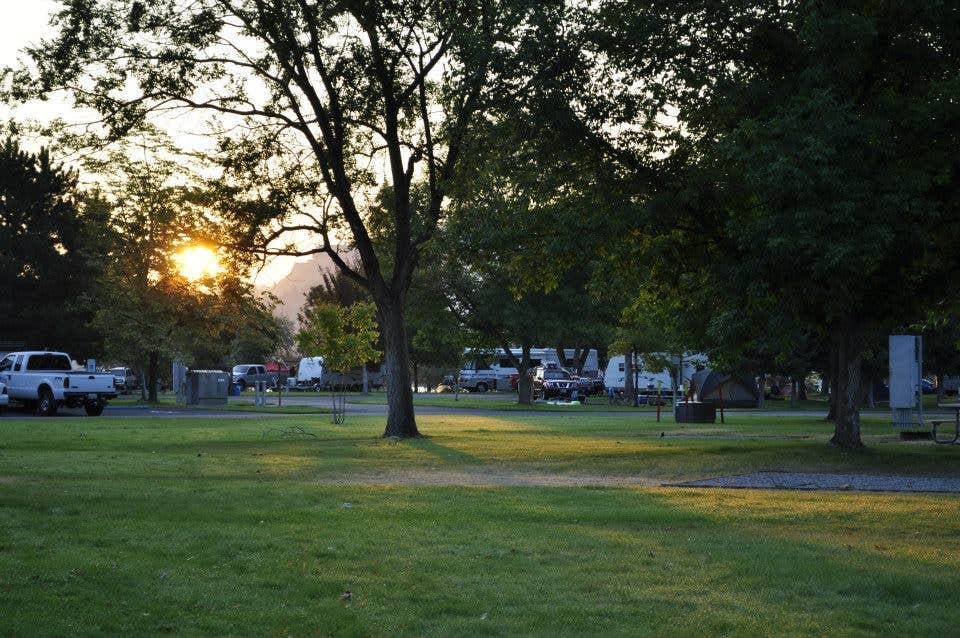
(738,391)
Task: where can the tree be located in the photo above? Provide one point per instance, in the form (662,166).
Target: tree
(487,280)
(49,239)
(808,157)
(345,334)
(319,97)
(147,308)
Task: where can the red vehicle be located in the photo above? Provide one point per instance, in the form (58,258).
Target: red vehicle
(278,370)
(277,367)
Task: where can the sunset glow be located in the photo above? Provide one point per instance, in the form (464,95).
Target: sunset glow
(197,262)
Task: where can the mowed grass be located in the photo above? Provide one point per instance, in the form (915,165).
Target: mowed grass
(238,527)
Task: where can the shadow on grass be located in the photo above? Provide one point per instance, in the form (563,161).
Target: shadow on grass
(448,454)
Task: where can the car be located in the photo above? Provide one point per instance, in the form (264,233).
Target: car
(591,385)
(126,380)
(4,397)
(556,383)
(246,374)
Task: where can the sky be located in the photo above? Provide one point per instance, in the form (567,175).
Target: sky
(26,22)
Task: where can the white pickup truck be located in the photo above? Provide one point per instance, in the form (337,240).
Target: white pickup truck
(47,380)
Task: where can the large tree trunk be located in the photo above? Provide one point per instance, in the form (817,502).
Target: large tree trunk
(847,421)
(401,421)
(629,392)
(153,371)
(524,389)
(802,387)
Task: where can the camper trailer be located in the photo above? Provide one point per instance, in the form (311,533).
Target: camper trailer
(492,369)
(647,381)
(313,374)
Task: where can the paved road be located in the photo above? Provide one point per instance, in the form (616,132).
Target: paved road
(373,409)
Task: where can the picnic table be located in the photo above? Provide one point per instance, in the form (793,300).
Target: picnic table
(956,424)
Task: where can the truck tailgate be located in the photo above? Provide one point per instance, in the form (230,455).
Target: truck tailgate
(86,382)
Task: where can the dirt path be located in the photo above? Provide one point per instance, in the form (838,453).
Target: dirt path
(476,478)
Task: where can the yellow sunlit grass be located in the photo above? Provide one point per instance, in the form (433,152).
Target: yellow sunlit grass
(197,262)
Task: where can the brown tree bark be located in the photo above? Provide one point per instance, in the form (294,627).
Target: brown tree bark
(153,371)
(629,392)
(401,421)
(524,387)
(846,424)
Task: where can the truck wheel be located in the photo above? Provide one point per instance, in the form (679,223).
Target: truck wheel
(481,387)
(94,409)
(46,404)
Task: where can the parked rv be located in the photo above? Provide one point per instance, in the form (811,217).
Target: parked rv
(647,381)
(312,374)
(493,369)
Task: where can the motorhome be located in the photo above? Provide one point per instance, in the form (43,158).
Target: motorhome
(492,369)
(647,380)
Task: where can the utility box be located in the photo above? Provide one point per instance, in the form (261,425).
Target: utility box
(906,372)
(207,387)
(695,412)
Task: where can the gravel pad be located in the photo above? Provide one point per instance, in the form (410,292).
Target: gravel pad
(807,481)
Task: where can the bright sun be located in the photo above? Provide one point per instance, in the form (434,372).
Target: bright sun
(197,262)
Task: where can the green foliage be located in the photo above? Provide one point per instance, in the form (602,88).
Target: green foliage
(345,336)
(50,240)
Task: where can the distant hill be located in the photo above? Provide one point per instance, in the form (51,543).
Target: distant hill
(292,289)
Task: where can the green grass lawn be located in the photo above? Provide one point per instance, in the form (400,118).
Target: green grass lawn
(241,404)
(256,527)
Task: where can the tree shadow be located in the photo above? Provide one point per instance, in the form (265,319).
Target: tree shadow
(448,454)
